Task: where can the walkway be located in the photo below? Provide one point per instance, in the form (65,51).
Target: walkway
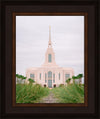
(49,99)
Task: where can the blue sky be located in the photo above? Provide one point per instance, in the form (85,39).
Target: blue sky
(32,35)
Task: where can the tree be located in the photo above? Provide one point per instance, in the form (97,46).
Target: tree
(20,78)
(17,76)
(74,77)
(24,78)
(68,80)
(31,80)
(79,76)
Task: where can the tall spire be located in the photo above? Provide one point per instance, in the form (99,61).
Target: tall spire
(49,43)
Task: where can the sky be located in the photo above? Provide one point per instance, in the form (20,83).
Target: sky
(67,36)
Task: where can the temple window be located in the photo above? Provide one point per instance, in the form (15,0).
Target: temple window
(40,76)
(67,76)
(45,78)
(49,58)
(59,76)
(49,74)
(45,81)
(53,76)
(32,76)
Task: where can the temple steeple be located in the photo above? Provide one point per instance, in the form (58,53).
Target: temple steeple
(50,55)
(49,43)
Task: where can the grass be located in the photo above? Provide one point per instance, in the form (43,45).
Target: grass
(73,93)
(28,93)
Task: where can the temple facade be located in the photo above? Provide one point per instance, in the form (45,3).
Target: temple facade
(49,74)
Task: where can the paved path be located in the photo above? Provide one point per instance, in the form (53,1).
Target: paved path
(49,99)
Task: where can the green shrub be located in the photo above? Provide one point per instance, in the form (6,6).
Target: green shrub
(38,85)
(31,81)
(26,93)
(73,93)
(61,85)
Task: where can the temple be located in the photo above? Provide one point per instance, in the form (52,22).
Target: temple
(49,74)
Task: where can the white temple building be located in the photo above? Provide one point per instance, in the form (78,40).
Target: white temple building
(49,74)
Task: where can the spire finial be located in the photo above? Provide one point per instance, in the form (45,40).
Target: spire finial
(49,44)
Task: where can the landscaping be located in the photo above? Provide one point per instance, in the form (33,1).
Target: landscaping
(30,93)
(35,93)
(73,93)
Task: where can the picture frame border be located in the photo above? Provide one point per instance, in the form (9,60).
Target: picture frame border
(11,113)
(85,61)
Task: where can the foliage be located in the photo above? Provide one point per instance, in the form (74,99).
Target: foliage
(38,85)
(82,84)
(61,85)
(68,80)
(29,94)
(17,75)
(31,80)
(20,78)
(73,93)
(79,76)
(74,77)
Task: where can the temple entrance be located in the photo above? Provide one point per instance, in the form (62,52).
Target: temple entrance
(50,79)
(50,83)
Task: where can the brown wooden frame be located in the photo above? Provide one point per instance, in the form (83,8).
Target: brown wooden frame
(8,107)
(85,60)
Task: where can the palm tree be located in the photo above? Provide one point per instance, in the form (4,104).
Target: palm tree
(74,77)
(24,78)
(79,76)
(68,80)
(20,78)
(31,80)
(17,77)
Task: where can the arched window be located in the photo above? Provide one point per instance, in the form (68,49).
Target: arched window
(49,74)
(40,76)
(32,76)
(49,58)
(67,76)
(59,76)
(45,78)
(53,78)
